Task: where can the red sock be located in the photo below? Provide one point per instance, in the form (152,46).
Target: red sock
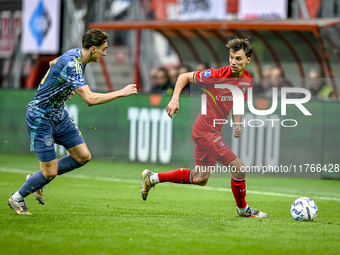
(181,175)
(238,187)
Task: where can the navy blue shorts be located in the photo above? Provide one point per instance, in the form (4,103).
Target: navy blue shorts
(44,132)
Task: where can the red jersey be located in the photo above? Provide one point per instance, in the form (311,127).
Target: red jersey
(219,101)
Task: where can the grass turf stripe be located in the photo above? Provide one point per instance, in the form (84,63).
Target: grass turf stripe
(111,179)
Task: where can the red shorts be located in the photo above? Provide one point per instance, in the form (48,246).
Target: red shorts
(211,148)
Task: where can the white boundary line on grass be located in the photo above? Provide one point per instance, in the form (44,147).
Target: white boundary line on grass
(111,179)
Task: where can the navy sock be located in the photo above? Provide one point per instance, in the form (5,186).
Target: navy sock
(35,182)
(67,164)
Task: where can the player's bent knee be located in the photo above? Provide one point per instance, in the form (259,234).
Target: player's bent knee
(49,169)
(240,168)
(201,181)
(86,158)
(239,174)
(50,175)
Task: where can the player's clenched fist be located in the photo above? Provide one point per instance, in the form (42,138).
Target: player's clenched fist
(172,107)
(238,131)
(129,90)
(71,95)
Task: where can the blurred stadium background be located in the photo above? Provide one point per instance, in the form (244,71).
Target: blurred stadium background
(294,36)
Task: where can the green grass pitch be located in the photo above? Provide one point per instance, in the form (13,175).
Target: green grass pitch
(98,210)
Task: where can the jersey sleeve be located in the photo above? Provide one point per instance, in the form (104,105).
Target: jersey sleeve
(73,74)
(205,77)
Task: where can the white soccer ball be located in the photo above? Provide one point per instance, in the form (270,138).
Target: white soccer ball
(304,208)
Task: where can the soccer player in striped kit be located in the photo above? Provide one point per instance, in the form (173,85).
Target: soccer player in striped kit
(209,145)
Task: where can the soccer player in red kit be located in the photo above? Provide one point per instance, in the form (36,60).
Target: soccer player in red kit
(209,145)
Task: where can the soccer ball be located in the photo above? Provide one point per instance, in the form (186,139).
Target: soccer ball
(304,208)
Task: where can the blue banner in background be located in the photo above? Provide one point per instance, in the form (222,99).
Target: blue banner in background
(40,23)
(41,26)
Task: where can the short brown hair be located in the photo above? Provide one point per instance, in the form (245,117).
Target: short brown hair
(237,44)
(94,37)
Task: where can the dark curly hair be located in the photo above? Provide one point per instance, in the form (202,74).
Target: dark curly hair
(237,44)
(94,37)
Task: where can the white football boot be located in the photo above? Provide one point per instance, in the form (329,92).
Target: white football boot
(146,183)
(252,213)
(18,206)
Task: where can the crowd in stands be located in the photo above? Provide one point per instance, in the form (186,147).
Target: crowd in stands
(163,81)
(318,85)
(274,77)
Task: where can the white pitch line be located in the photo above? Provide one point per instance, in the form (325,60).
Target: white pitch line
(111,179)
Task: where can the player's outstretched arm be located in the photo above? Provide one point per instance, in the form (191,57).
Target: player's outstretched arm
(93,98)
(182,80)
